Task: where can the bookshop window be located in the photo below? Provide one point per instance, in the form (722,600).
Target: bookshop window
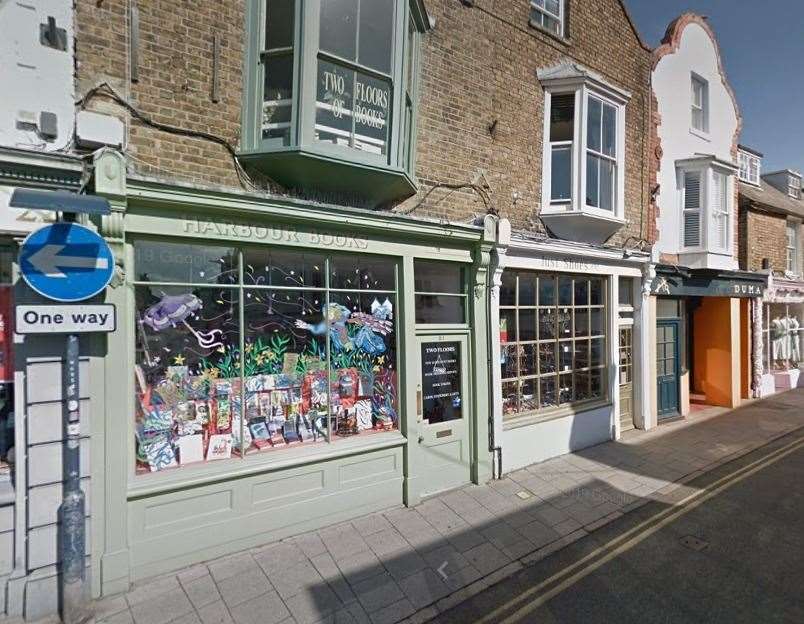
(553,341)
(440,292)
(248,350)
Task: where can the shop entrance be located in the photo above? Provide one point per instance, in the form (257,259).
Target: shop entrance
(444,411)
(667,368)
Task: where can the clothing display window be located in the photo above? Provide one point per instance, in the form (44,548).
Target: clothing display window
(242,350)
(553,341)
(783,336)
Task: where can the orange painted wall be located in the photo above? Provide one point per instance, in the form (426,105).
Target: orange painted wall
(713,334)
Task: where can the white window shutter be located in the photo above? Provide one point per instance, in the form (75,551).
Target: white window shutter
(692,208)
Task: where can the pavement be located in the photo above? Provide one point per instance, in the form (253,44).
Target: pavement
(736,557)
(413,564)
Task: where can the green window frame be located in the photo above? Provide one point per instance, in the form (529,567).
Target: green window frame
(311,83)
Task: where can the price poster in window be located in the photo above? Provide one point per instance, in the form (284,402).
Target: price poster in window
(441,381)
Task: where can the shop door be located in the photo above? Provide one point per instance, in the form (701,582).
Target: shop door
(444,412)
(626,377)
(667,368)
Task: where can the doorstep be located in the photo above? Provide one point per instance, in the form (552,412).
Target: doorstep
(410,564)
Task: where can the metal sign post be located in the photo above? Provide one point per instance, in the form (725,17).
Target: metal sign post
(67,262)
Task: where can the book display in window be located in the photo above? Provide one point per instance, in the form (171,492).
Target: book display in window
(229,370)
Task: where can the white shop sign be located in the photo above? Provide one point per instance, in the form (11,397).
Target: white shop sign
(65,319)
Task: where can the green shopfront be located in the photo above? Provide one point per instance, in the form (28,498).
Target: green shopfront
(279,366)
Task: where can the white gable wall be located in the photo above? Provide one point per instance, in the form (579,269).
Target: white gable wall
(672,85)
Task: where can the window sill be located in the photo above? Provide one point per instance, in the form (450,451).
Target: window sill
(701,134)
(375,183)
(259,463)
(538,417)
(587,225)
(566,41)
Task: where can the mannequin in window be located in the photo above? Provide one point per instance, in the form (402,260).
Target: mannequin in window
(795,340)
(777,335)
(785,354)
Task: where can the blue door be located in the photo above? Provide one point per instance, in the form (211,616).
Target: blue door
(667,368)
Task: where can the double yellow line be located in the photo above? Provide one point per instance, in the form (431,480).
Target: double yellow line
(533,598)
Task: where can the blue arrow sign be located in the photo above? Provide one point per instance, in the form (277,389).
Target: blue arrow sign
(66,262)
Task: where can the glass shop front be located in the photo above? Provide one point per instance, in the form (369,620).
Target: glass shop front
(243,350)
(274,371)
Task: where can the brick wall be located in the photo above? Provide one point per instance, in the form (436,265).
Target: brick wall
(478,72)
(763,235)
(174,86)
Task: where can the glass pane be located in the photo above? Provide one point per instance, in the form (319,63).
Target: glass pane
(581,322)
(376,34)
(361,273)
(508,289)
(581,354)
(561,173)
(547,291)
(581,292)
(527,325)
(547,358)
(565,355)
(593,124)
(338,28)
(528,399)
(552,6)
(592,196)
(597,378)
(186,375)
(527,289)
(528,356)
(440,309)
(548,396)
(609,130)
(441,381)
(667,308)
(564,388)
(277,97)
(181,263)
(581,381)
(371,114)
(597,358)
(334,104)
(507,325)
(607,182)
(437,277)
(363,381)
(625,287)
(508,361)
(547,323)
(562,117)
(510,397)
(279,20)
(565,322)
(596,291)
(597,317)
(276,267)
(565,291)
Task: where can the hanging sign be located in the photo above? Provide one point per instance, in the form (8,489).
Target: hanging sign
(441,381)
(66,262)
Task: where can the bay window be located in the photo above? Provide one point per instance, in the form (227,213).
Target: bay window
(706,189)
(583,169)
(330,95)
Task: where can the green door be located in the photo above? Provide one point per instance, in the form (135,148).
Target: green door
(667,368)
(444,412)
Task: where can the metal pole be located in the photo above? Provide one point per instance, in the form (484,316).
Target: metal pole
(72,508)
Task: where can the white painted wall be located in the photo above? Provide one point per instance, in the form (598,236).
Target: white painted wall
(35,77)
(672,85)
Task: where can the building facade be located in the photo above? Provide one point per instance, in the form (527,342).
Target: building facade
(771,215)
(701,300)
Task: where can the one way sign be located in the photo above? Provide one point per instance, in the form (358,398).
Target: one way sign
(66,262)
(65,319)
